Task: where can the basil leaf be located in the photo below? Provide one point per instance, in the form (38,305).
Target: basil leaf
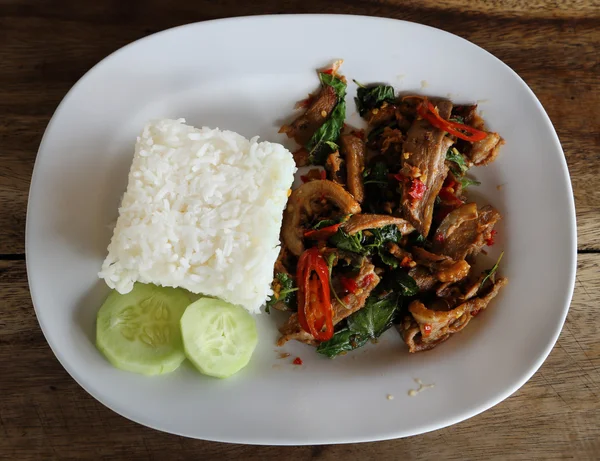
(387,258)
(455,156)
(389,233)
(333,146)
(318,146)
(377,174)
(368,98)
(324,223)
(466,182)
(324,140)
(335,82)
(399,283)
(285,294)
(342,341)
(373,319)
(489,273)
(417,238)
(458,119)
(347,242)
(330,259)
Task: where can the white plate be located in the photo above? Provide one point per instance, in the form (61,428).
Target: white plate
(245,74)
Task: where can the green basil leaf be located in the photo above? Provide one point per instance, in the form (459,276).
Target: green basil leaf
(377,174)
(329,132)
(332,145)
(373,319)
(352,243)
(389,233)
(466,182)
(399,283)
(286,293)
(455,156)
(457,119)
(335,82)
(417,238)
(368,98)
(342,341)
(387,258)
(324,223)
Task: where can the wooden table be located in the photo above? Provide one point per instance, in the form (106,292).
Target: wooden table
(45,46)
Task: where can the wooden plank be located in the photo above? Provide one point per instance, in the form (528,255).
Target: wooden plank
(37,67)
(44,414)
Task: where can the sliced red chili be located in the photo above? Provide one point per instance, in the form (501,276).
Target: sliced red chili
(491,239)
(367,280)
(417,189)
(449,198)
(315,313)
(405,262)
(427,329)
(428,112)
(349,284)
(297,361)
(322,234)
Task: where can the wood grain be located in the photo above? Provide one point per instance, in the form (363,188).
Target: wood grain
(46,46)
(44,414)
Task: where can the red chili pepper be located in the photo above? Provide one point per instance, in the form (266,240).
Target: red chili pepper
(439,238)
(367,280)
(348,284)
(491,239)
(322,234)
(297,361)
(449,198)
(314,298)
(405,262)
(428,112)
(449,183)
(328,71)
(475,312)
(416,188)
(323,174)
(427,329)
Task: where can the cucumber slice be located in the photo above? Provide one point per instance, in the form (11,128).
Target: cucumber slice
(140,332)
(218,337)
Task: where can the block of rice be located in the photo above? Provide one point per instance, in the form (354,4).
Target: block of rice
(202,211)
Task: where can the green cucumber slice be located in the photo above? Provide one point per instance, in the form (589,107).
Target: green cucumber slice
(219,338)
(139,331)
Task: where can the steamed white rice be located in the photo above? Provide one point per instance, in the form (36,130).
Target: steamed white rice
(202,211)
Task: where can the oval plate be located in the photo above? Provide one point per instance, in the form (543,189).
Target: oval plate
(245,74)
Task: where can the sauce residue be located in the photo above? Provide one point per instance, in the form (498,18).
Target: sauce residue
(283,355)
(422,387)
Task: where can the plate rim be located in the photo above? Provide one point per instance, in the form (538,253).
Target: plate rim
(286,441)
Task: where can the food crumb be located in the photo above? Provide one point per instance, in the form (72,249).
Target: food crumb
(283,355)
(499,186)
(424,84)
(390,397)
(297,361)
(422,387)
